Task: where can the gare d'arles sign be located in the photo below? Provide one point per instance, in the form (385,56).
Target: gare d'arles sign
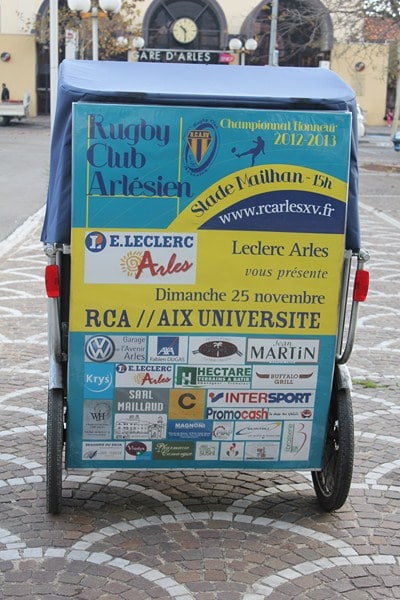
(183,56)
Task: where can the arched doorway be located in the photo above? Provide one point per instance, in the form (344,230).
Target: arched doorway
(304,33)
(185,25)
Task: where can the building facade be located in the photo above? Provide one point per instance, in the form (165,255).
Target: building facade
(200,31)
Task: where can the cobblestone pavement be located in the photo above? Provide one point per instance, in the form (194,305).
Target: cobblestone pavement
(201,535)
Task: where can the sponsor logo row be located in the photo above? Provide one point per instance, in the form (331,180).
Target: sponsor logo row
(188,416)
(199,350)
(100,380)
(195,403)
(292,442)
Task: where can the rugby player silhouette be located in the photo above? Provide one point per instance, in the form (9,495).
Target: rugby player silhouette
(254,152)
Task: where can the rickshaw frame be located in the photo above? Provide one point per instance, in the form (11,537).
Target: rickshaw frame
(332,482)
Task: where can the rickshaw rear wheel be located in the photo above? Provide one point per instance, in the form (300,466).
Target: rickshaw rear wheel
(332,483)
(55,441)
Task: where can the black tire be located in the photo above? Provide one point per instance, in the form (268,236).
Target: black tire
(55,441)
(332,483)
(4,120)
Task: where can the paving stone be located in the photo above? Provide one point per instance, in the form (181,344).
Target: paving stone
(201,535)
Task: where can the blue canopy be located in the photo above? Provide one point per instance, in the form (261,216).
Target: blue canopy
(285,88)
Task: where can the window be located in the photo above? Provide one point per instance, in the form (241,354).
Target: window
(208,19)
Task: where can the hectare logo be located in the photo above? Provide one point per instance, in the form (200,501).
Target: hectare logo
(201,147)
(99,348)
(95,241)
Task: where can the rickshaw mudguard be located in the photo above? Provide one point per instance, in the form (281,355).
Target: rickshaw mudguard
(342,377)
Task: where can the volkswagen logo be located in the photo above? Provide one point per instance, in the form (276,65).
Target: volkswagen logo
(99,348)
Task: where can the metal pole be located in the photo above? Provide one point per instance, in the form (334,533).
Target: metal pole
(53,58)
(95,34)
(396,115)
(273,34)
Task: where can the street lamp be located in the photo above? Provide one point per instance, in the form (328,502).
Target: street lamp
(273,54)
(236,45)
(84,6)
(138,44)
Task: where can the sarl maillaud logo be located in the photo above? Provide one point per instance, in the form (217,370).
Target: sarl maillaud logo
(201,147)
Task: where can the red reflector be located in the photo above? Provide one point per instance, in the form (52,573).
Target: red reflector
(361,283)
(52,281)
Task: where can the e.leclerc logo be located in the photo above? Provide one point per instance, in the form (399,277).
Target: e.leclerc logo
(95,241)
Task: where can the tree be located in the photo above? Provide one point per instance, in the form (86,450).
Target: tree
(302,35)
(115,30)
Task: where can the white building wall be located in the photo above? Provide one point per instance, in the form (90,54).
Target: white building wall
(241,10)
(17,15)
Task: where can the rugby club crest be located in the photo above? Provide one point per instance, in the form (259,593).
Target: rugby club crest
(201,147)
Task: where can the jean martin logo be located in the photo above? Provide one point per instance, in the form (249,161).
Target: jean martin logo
(289,351)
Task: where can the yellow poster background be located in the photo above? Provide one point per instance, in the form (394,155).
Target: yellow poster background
(272,282)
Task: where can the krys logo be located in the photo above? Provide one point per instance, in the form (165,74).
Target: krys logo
(99,380)
(201,147)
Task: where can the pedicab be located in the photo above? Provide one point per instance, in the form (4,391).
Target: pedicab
(204,271)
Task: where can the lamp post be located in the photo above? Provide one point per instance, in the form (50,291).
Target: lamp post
(236,45)
(273,54)
(86,6)
(53,58)
(138,42)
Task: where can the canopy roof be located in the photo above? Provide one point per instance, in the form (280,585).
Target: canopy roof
(286,88)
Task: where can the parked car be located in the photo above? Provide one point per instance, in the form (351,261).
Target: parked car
(360,122)
(15,109)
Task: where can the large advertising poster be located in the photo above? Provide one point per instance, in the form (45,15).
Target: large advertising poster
(207,248)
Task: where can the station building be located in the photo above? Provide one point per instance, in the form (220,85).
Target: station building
(201,31)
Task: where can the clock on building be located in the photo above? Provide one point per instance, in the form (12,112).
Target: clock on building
(184,30)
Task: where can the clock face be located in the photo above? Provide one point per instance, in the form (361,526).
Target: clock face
(184,30)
